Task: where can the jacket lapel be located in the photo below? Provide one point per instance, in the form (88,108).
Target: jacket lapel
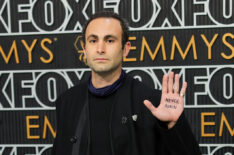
(82,129)
(122,129)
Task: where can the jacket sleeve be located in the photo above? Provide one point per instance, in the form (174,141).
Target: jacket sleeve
(53,152)
(180,139)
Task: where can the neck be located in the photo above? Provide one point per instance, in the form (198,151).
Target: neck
(100,80)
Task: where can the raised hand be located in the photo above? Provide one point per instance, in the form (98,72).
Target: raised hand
(172,101)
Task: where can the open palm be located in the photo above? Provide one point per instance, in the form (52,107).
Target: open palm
(172,102)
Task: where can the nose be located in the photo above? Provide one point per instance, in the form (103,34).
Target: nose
(101,47)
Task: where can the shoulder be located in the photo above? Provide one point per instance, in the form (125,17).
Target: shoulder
(143,87)
(141,92)
(73,94)
(75,90)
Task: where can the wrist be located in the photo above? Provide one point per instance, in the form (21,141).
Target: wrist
(171,125)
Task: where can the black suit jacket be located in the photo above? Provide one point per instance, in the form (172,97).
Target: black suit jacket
(144,136)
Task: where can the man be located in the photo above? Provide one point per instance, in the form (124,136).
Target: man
(113,114)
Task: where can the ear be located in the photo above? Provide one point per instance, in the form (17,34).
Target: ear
(127,48)
(83,47)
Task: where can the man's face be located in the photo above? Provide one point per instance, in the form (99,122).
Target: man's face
(103,48)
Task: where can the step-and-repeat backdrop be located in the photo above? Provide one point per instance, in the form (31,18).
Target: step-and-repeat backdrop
(41,56)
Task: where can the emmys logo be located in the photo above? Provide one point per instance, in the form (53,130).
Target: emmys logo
(78,44)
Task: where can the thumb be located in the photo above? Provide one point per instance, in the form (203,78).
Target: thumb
(150,106)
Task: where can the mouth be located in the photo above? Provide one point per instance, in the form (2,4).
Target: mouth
(100,59)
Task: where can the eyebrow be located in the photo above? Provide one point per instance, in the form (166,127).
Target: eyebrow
(110,36)
(92,36)
(105,37)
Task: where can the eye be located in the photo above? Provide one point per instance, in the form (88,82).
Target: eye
(110,41)
(92,41)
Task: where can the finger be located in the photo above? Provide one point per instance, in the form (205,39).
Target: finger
(170,82)
(183,89)
(176,84)
(149,105)
(164,83)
